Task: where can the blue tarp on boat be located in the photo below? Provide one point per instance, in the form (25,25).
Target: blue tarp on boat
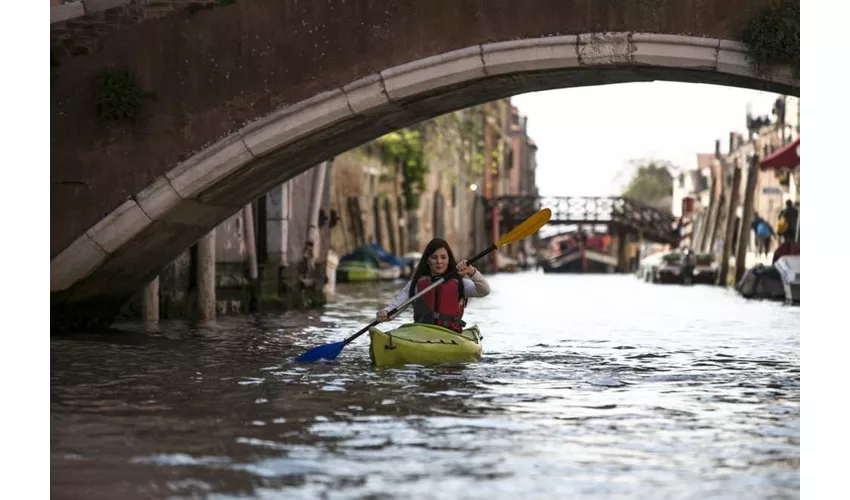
(375,254)
(386,256)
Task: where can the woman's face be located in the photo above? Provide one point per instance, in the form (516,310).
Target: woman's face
(438,261)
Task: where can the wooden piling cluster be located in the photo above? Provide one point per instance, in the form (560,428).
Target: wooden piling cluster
(729,236)
(720,219)
(749,199)
(198,299)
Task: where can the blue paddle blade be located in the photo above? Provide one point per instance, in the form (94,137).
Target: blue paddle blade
(327,351)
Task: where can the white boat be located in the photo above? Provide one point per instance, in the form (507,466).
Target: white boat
(789,269)
(389,273)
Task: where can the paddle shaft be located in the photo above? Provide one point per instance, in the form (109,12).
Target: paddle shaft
(482,253)
(525,229)
(391,314)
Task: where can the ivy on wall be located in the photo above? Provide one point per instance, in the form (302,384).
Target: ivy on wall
(468,142)
(772,36)
(406,149)
(461,133)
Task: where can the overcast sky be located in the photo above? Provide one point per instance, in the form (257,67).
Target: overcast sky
(586,136)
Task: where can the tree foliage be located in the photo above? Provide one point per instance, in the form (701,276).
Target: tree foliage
(651,182)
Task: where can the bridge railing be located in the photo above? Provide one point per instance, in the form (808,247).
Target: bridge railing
(648,218)
(653,223)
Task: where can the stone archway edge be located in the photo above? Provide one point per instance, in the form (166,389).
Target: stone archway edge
(74,9)
(174,196)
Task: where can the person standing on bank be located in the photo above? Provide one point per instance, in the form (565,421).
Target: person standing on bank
(788,219)
(444,305)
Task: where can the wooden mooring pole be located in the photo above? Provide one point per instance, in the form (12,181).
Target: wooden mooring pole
(743,236)
(251,255)
(150,303)
(723,270)
(206,276)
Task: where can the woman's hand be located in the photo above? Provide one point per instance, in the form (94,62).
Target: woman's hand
(381,316)
(464,269)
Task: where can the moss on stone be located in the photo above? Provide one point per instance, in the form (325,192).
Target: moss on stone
(271,303)
(314,296)
(196,7)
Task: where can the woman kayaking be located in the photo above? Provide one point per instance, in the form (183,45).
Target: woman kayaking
(443,305)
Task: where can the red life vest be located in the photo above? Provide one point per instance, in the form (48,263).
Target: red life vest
(442,306)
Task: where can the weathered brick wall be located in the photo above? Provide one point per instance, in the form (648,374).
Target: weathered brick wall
(77,27)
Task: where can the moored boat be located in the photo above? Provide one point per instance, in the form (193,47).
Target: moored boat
(352,270)
(581,252)
(370,263)
(421,344)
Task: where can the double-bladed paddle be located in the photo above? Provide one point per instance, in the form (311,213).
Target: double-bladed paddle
(523,230)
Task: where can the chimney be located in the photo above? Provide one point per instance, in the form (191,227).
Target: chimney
(717,148)
(731,142)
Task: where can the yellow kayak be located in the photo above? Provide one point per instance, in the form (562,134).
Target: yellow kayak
(422,344)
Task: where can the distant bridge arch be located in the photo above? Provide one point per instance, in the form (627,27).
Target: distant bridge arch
(617,212)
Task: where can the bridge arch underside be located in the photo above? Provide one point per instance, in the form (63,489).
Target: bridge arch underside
(96,272)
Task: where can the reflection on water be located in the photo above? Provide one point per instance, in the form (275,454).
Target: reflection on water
(590,386)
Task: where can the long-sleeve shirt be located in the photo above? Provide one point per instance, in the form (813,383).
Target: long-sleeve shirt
(476,286)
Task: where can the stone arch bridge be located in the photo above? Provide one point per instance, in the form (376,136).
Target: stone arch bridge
(240,95)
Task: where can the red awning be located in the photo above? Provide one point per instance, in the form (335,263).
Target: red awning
(788,156)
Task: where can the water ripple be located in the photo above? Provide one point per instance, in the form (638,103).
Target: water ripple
(597,387)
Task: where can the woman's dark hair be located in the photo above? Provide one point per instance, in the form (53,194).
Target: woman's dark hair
(422,268)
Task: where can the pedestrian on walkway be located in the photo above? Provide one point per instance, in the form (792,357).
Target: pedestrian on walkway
(764,234)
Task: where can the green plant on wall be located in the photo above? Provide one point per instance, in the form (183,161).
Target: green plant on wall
(459,132)
(119,95)
(496,158)
(468,140)
(772,36)
(406,148)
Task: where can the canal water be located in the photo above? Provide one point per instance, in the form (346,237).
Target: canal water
(590,387)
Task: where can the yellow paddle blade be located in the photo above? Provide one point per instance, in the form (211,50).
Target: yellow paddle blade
(528,227)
